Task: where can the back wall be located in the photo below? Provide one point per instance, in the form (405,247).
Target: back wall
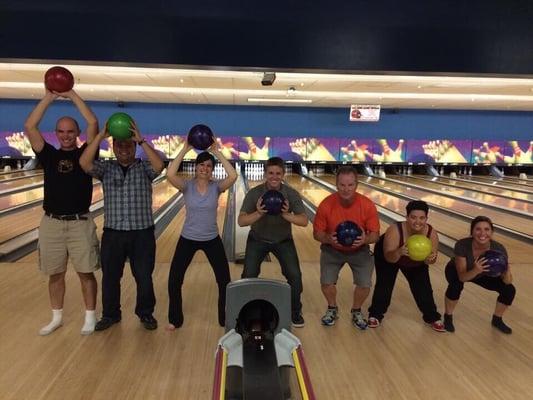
(290,121)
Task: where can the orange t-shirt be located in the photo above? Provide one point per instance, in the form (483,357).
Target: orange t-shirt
(330,213)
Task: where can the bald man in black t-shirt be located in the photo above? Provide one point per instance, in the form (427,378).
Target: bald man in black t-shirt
(67,229)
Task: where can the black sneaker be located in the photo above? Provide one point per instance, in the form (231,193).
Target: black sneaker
(149,322)
(498,323)
(448,323)
(298,320)
(105,323)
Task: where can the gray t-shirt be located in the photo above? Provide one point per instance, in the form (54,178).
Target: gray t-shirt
(463,248)
(201,219)
(272,228)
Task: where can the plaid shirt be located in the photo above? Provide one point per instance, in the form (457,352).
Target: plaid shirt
(127,199)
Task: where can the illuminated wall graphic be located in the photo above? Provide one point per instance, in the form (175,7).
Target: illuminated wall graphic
(326,149)
(439,151)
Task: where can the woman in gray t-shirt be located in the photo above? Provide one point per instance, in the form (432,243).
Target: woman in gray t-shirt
(200,230)
(469,265)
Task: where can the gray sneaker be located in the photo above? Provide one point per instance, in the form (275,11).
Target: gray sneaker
(330,316)
(358,320)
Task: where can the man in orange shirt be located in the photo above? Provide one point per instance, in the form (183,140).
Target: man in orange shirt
(346,205)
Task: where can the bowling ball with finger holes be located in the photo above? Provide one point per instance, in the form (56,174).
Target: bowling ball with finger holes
(200,137)
(347,233)
(419,247)
(273,202)
(58,79)
(497,263)
(119,125)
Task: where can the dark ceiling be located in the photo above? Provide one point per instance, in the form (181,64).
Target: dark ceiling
(465,37)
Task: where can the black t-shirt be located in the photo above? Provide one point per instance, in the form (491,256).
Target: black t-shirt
(67,189)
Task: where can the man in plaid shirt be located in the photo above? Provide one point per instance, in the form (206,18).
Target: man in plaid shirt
(128,223)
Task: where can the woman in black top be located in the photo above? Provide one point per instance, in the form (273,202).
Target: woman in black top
(470,266)
(391,255)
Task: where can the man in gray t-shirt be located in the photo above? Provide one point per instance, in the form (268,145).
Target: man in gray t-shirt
(272,233)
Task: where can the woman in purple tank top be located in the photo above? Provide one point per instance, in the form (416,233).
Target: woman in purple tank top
(391,255)
(200,231)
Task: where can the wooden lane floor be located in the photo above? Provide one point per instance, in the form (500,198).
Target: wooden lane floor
(376,364)
(474,185)
(403,359)
(162,191)
(452,227)
(18,174)
(26,196)
(520,184)
(27,219)
(484,197)
(15,199)
(515,222)
(17,183)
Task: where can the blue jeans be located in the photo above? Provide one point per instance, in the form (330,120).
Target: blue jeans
(285,252)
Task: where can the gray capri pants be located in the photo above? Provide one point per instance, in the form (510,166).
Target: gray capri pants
(361,263)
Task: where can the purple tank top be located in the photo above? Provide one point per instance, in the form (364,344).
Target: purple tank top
(405,261)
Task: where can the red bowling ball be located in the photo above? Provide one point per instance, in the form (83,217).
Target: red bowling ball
(58,79)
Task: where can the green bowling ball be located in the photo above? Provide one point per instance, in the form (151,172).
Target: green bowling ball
(118,126)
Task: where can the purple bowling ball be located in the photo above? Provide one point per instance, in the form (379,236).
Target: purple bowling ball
(497,263)
(200,137)
(273,202)
(347,233)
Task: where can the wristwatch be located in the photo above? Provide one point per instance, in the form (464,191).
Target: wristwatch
(143,140)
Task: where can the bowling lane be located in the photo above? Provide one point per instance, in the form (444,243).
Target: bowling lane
(29,218)
(482,187)
(16,199)
(162,191)
(18,174)
(502,218)
(518,184)
(17,183)
(487,197)
(444,223)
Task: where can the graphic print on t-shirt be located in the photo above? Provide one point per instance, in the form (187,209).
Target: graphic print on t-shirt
(65,166)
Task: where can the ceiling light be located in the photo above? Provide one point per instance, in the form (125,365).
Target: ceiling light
(261,100)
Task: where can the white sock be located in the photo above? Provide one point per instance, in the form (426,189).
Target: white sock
(90,322)
(57,321)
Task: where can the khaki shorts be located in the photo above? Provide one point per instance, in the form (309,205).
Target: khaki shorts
(361,263)
(59,240)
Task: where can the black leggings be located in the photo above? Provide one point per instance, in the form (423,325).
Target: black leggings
(419,283)
(185,250)
(455,286)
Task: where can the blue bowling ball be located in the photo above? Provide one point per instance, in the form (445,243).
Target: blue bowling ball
(497,262)
(273,202)
(347,233)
